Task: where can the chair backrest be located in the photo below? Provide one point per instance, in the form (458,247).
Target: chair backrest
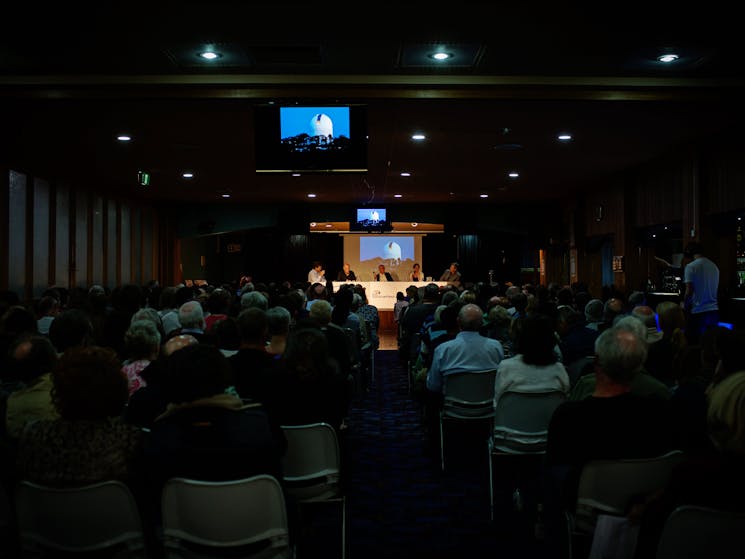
(697,532)
(98,517)
(469,395)
(225,514)
(608,486)
(521,420)
(311,465)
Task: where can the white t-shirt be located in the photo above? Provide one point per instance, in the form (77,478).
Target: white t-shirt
(704,275)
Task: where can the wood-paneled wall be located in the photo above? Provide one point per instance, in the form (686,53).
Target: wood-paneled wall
(55,234)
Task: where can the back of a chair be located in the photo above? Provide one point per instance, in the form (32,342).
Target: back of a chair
(93,518)
(697,532)
(521,420)
(608,486)
(311,465)
(225,514)
(469,395)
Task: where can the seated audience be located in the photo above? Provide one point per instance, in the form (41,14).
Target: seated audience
(142,346)
(251,365)
(89,442)
(151,400)
(535,367)
(710,479)
(32,360)
(612,423)
(206,433)
(312,387)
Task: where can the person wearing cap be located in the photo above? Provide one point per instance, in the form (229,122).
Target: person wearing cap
(701,278)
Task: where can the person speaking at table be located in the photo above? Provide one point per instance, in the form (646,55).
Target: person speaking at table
(346,274)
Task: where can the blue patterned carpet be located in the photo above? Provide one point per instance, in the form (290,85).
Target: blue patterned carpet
(400,503)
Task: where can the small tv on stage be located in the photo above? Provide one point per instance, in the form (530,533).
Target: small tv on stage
(370,219)
(311,139)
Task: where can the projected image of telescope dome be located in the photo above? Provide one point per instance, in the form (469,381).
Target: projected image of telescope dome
(321,125)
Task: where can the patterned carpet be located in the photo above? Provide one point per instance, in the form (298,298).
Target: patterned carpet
(400,503)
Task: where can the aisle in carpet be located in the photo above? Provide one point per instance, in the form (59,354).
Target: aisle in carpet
(400,503)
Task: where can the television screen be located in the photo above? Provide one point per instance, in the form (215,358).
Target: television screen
(371,217)
(318,138)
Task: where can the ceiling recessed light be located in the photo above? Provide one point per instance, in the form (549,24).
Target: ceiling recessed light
(564,137)
(187,175)
(124,137)
(225,195)
(328,225)
(210,55)
(667,58)
(441,55)
(311,195)
(483,195)
(414,224)
(295,174)
(312,223)
(418,137)
(397,195)
(405,174)
(513,175)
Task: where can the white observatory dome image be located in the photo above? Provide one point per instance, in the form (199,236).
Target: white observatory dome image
(321,125)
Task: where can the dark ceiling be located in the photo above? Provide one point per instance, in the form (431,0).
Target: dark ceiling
(72,78)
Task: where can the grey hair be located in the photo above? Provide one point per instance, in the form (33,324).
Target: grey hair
(141,338)
(191,315)
(254,299)
(278,320)
(622,350)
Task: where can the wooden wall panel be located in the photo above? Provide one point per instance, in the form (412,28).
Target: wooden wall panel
(17,219)
(40,237)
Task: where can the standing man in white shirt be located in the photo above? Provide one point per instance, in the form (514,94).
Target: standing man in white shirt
(701,278)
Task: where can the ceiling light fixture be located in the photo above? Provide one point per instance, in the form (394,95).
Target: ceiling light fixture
(124,137)
(513,175)
(225,195)
(311,195)
(187,175)
(483,195)
(668,58)
(441,55)
(397,195)
(312,223)
(418,137)
(414,224)
(405,174)
(295,174)
(210,55)
(564,137)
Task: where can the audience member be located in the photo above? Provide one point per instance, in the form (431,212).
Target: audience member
(142,346)
(251,365)
(312,387)
(535,367)
(612,423)
(278,328)
(207,433)
(32,359)
(89,442)
(713,479)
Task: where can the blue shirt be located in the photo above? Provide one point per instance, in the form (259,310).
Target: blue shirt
(469,351)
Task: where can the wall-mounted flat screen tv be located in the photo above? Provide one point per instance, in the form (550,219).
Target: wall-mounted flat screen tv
(311,138)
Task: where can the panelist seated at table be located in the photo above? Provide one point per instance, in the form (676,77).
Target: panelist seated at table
(416,273)
(382,275)
(346,274)
(451,275)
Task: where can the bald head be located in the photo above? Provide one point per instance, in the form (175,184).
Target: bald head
(470,317)
(178,342)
